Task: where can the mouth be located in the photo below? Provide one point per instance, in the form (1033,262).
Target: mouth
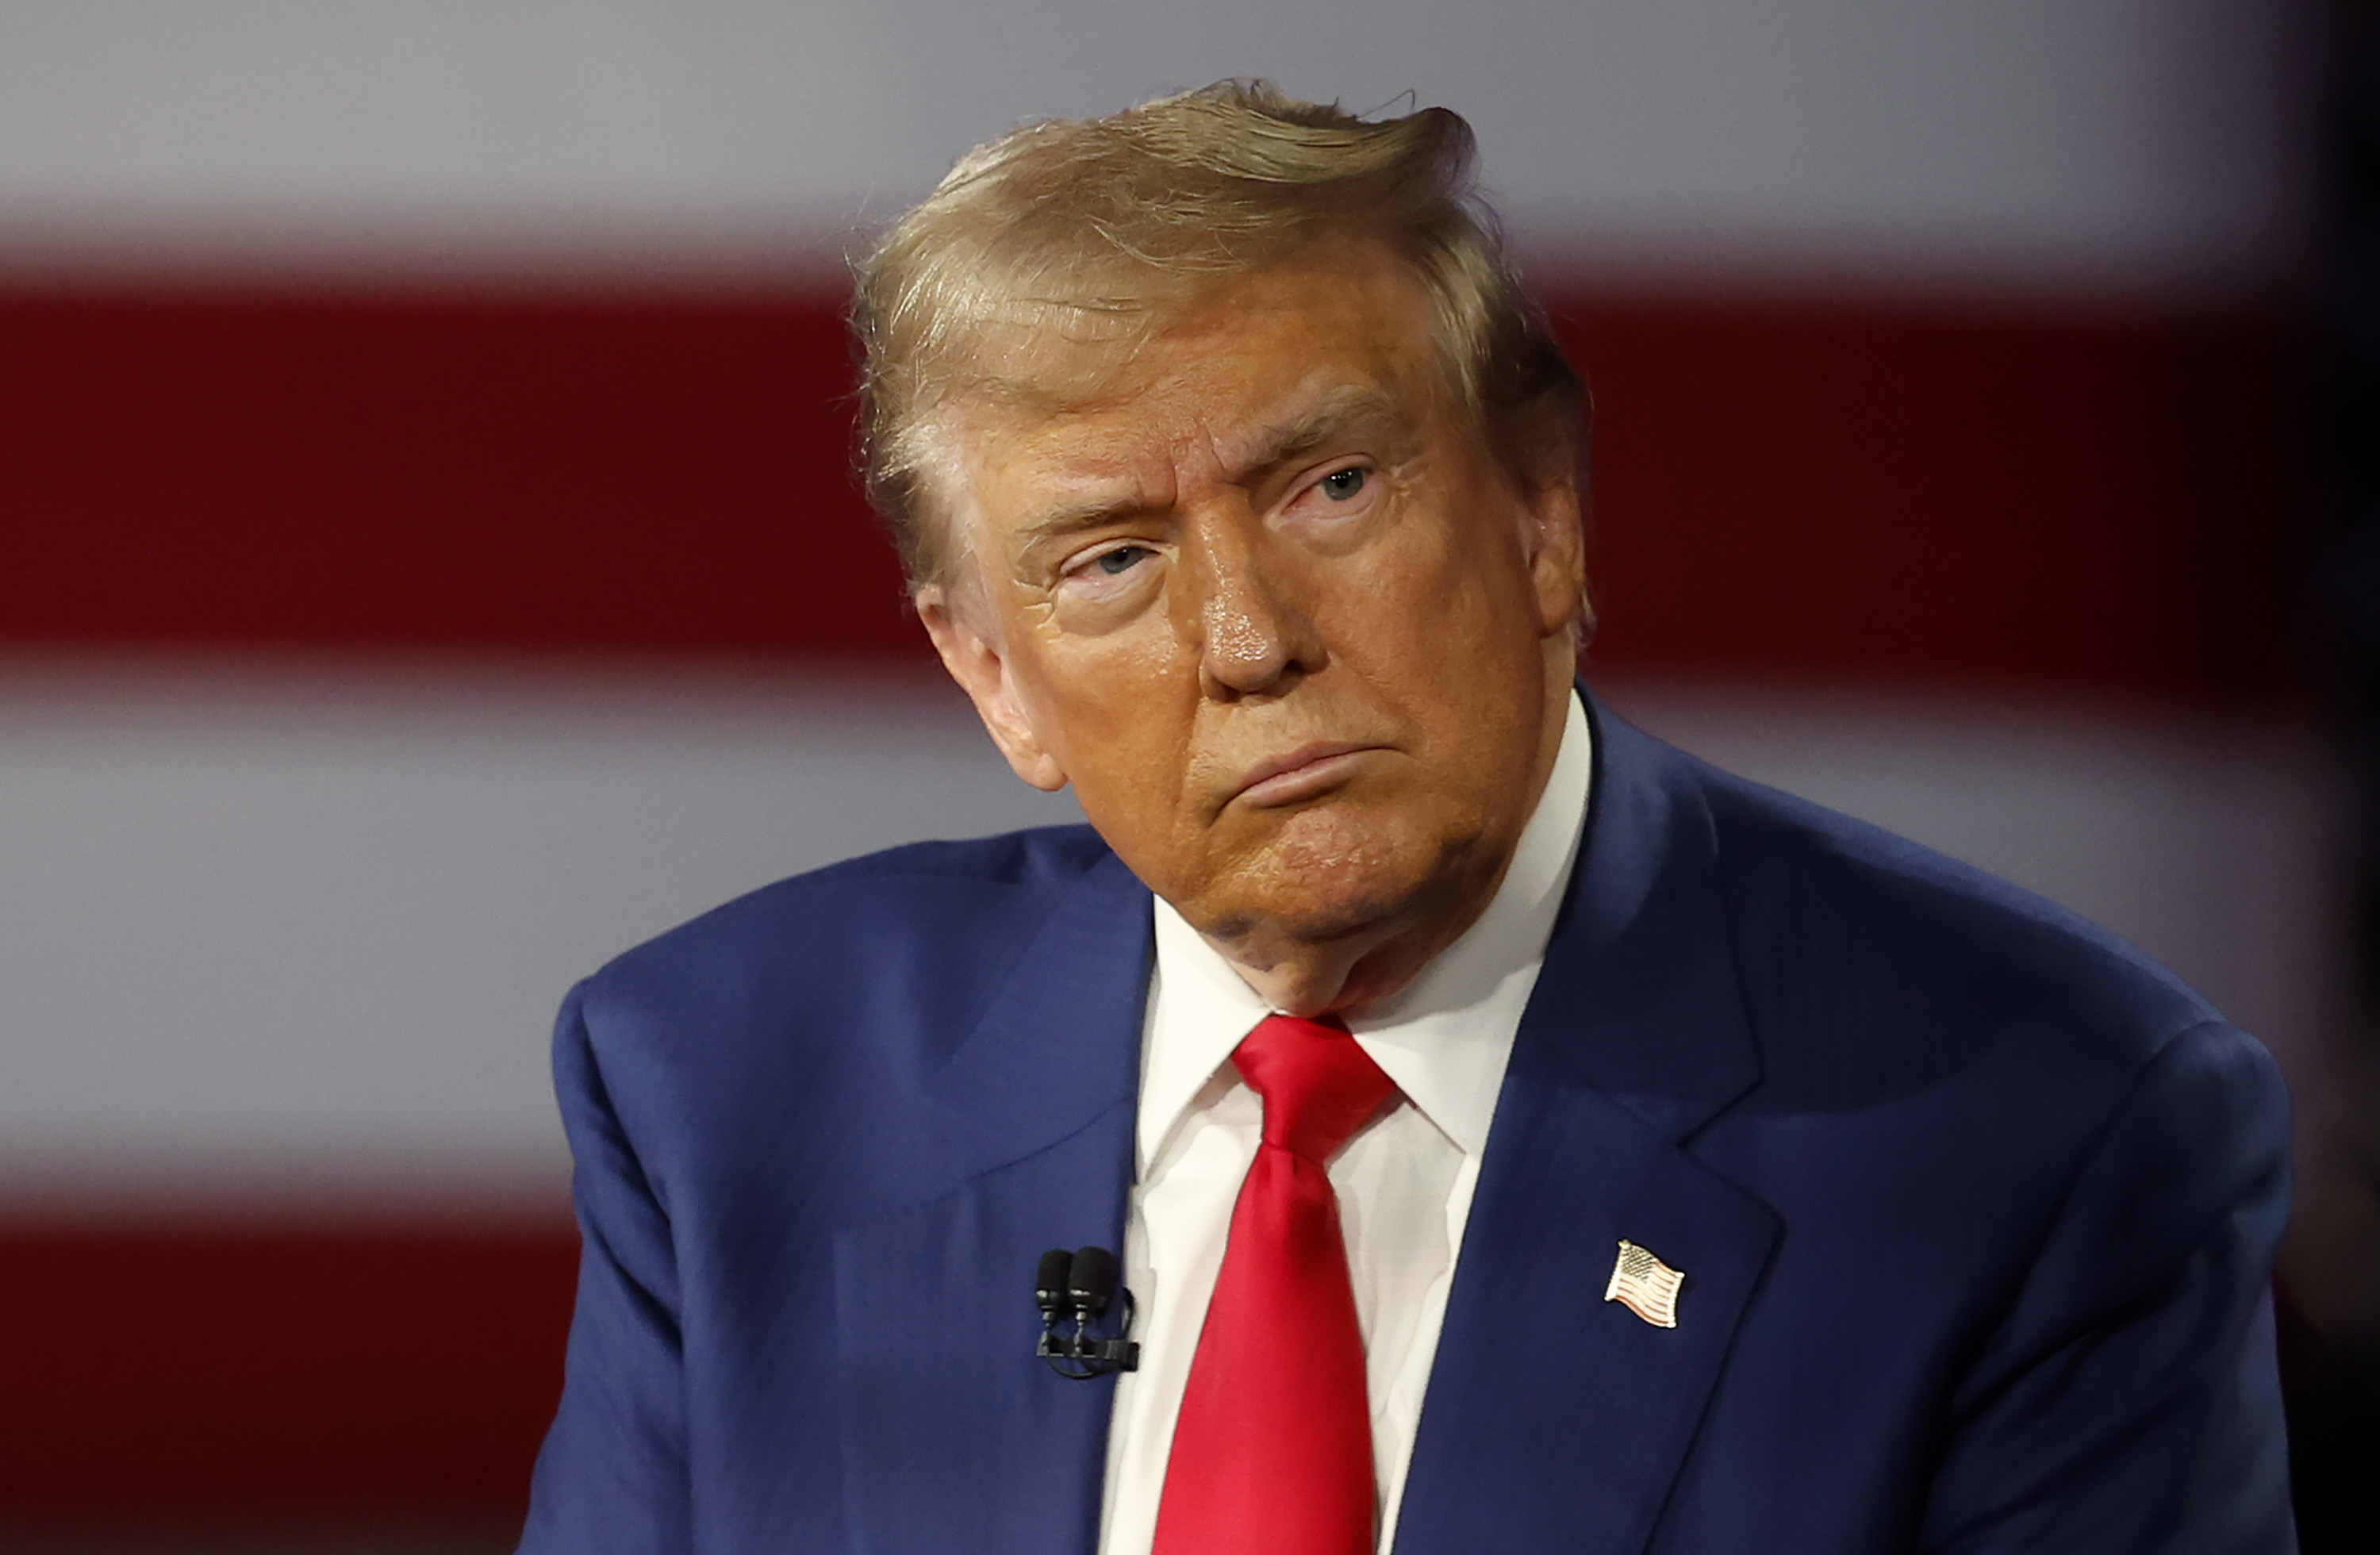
(1299,774)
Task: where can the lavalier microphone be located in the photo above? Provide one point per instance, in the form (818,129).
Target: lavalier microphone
(1080,1287)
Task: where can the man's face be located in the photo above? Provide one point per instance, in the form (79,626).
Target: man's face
(1296,638)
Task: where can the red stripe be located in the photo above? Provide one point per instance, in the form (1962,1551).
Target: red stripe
(240,1376)
(2049,498)
(1880,492)
(341,473)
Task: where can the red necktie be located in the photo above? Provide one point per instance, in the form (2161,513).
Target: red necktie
(1272,1451)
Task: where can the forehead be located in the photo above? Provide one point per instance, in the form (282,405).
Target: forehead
(1233,365)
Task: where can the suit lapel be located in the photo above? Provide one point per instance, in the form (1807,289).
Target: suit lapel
(955,1438)
(1555,1419)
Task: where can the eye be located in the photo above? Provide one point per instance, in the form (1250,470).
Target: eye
(1341,484)
(1107,574)
(1120,560)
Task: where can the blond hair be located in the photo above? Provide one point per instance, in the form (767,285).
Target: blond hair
(1084,229)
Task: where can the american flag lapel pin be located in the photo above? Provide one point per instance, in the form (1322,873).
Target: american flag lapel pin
(1644,1286)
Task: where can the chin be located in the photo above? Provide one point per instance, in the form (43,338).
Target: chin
(1326,877)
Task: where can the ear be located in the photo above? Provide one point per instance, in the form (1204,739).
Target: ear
(975,660)
(1557,550)
(1539,453)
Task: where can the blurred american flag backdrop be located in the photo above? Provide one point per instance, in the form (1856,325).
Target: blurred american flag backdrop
(430,563)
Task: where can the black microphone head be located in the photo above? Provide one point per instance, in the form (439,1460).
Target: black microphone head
(1092,1280)
(1049,1282)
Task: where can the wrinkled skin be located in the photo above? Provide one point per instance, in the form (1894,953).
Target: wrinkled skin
(1299,640)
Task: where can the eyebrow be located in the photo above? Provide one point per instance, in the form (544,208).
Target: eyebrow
(1069,516)
(1267,449)
(1302,435)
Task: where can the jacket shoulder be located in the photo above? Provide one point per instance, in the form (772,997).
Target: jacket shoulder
(1854,940)
(874,892)
(901,945)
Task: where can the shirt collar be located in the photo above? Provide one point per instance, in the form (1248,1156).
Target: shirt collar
(1444,1041)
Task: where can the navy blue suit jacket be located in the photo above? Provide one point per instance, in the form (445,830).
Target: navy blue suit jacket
(1975,1207)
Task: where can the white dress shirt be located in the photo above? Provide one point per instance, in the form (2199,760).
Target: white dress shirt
(1404,1182)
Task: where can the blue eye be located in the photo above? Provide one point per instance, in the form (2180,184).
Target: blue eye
(1120,560)
(1341,484)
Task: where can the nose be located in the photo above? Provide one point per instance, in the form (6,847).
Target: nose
(1252,635)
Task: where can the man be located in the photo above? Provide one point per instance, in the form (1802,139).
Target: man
(1520,1136)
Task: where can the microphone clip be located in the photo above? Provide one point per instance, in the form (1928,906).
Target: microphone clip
(1080,1288)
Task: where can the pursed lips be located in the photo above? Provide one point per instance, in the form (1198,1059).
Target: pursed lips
(1298,774)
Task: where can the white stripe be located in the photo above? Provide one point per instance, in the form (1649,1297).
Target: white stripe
(265,927)
(2121,141)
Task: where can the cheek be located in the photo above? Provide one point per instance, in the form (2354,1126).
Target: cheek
(1446,608)
(1115,717)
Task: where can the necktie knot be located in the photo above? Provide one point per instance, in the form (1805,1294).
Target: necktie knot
(1318,1085)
